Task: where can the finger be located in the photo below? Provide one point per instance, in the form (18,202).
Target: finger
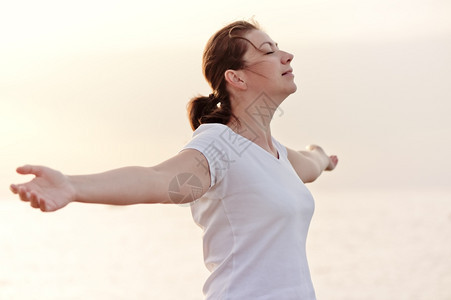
(334,159)
(42,205)
(29,169)
(23,194)
(14,188)
(311,147)
(33,197)
(34,203)
(34,200)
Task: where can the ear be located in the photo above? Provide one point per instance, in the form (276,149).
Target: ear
(235,79)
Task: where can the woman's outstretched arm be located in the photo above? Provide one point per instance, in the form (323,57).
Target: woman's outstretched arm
(51,190)
(309,164)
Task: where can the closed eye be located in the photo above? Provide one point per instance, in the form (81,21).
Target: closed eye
(272,48)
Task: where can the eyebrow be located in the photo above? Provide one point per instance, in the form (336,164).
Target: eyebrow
(270,43)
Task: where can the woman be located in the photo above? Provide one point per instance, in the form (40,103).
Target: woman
(246,190)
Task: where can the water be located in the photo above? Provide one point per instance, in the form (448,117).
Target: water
(100,252)
(362,245)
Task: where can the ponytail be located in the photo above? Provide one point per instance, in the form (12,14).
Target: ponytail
(211,109)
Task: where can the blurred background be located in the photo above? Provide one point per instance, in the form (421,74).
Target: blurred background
(87,86)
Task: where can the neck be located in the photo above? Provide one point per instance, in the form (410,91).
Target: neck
(253,119)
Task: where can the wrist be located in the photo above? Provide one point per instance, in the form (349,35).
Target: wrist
(74,189)
(320,156)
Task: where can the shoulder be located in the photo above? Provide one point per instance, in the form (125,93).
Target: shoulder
(209,129)
(209,140)
(207,136)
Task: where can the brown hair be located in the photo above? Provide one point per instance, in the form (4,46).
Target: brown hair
(224,51)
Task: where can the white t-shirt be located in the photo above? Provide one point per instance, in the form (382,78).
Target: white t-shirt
(255,219)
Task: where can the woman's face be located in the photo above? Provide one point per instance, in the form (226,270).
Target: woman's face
(267,67)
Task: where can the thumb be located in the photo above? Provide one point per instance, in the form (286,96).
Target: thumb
(29,169)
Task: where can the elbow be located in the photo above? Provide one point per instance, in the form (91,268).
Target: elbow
(311,175)
(309,179)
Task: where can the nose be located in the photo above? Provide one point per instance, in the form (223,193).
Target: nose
(287,57)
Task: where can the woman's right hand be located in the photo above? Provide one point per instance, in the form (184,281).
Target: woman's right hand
(50,190)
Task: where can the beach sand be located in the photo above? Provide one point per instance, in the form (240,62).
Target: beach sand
(362,245)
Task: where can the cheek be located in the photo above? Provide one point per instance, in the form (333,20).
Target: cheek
(264,68)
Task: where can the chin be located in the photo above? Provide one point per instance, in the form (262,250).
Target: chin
(290,91)
(293,89)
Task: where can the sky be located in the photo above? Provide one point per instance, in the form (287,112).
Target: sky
(87,86)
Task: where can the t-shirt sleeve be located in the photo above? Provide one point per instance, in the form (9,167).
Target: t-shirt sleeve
(207,140)
(280,148)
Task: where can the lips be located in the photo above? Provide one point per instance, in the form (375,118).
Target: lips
(290,71)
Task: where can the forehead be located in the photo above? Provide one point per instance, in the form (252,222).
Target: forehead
(258,38)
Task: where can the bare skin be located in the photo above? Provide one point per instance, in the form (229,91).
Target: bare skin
(268,73)
(51,190)
(269,67)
